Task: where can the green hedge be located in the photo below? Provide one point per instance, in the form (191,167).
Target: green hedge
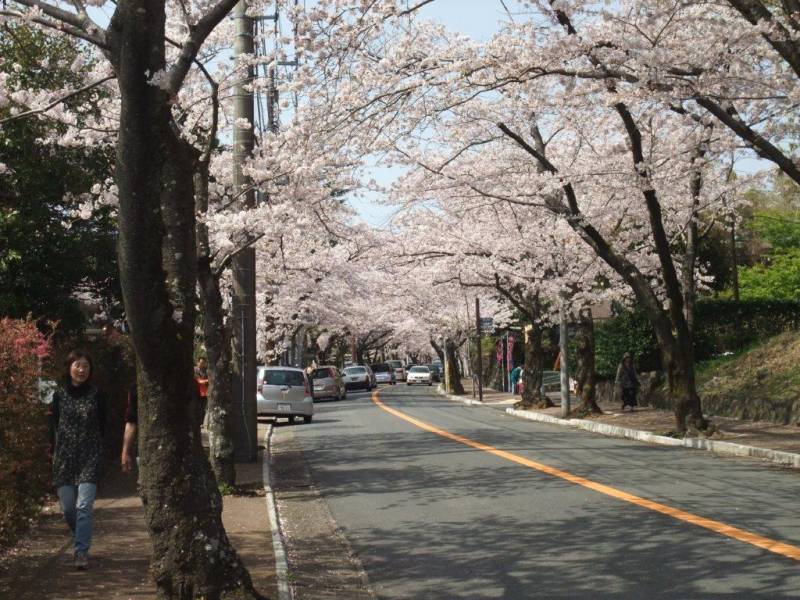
(720,326)
(727,326)
(630,331)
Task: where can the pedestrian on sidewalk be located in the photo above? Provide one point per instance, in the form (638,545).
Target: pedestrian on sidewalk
(77,418)
(627,381)
(516,375)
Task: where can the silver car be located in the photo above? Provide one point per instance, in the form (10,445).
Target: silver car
(328,383)
(359,376)
(399,370)
(419,374)
(285,392)
(383,373)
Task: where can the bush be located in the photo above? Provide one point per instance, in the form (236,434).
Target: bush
(631,332)
(24,464)
(720,326)
(727,326)
(779,279)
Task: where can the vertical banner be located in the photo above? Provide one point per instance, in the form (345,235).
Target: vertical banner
(510,353)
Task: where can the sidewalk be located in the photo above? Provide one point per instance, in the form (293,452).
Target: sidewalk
(40,567)
(776,443)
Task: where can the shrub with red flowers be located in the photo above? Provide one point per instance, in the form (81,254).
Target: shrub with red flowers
(24,461)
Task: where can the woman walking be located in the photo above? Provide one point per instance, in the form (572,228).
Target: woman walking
(627,381)
(77,423)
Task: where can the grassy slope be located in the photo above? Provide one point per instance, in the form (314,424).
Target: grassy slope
(760,383)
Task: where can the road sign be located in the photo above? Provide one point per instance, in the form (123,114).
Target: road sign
(487,325)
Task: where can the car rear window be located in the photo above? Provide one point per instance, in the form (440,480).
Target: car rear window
(355,370)
(395,364)
(291,378)
(420,370)
(320,373)
(381,368)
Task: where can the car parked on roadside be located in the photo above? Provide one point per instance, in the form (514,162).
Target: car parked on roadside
(419,374)
(399,369)
(383,373)
(327,382)
(359,376)
(285,392)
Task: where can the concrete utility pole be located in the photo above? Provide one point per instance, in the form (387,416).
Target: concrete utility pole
(479,360)
(564,343)
(244,265)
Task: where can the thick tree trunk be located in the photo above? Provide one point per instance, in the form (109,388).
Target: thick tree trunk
(586,376)
(192,556)
(678,362)
(532,396)
(453,371)
(438,349)
(218,347)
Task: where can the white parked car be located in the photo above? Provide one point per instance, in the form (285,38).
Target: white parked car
(419,374)
(285,392)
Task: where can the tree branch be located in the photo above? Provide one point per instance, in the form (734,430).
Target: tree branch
(58,101)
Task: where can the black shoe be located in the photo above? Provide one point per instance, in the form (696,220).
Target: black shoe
(81,561)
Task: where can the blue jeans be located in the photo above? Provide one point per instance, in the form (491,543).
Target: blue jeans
(76,504)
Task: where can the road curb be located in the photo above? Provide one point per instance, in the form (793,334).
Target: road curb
(790,459)
(279,548)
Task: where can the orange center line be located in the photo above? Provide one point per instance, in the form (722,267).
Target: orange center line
(730,531)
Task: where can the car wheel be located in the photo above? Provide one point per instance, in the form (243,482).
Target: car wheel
(307,418)
(429,383)
(408,383)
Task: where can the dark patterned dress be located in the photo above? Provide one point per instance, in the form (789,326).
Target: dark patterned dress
(77,423)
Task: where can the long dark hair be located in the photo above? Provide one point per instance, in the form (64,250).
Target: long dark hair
(71,358)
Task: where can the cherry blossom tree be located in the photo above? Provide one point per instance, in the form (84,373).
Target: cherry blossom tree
(154,179)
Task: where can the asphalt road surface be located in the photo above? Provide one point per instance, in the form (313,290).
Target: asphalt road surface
(467,502)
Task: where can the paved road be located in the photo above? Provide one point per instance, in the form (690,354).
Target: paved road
(432,517)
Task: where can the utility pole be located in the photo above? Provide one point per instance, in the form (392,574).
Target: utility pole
(243,306)
(563,343)
(479,358)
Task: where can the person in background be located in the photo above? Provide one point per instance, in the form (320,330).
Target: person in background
(77,418)
(127,461)
(516,374)
(627,381)
(201,376)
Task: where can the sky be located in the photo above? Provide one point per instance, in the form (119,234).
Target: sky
(478,19)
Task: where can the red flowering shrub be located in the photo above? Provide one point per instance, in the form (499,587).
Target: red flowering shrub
(24,462)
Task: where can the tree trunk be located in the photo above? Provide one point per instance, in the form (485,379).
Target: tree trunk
(678,361)
(532,396)
(218,348)
(453,372)
(192,556)
(438,349)
(585,364)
